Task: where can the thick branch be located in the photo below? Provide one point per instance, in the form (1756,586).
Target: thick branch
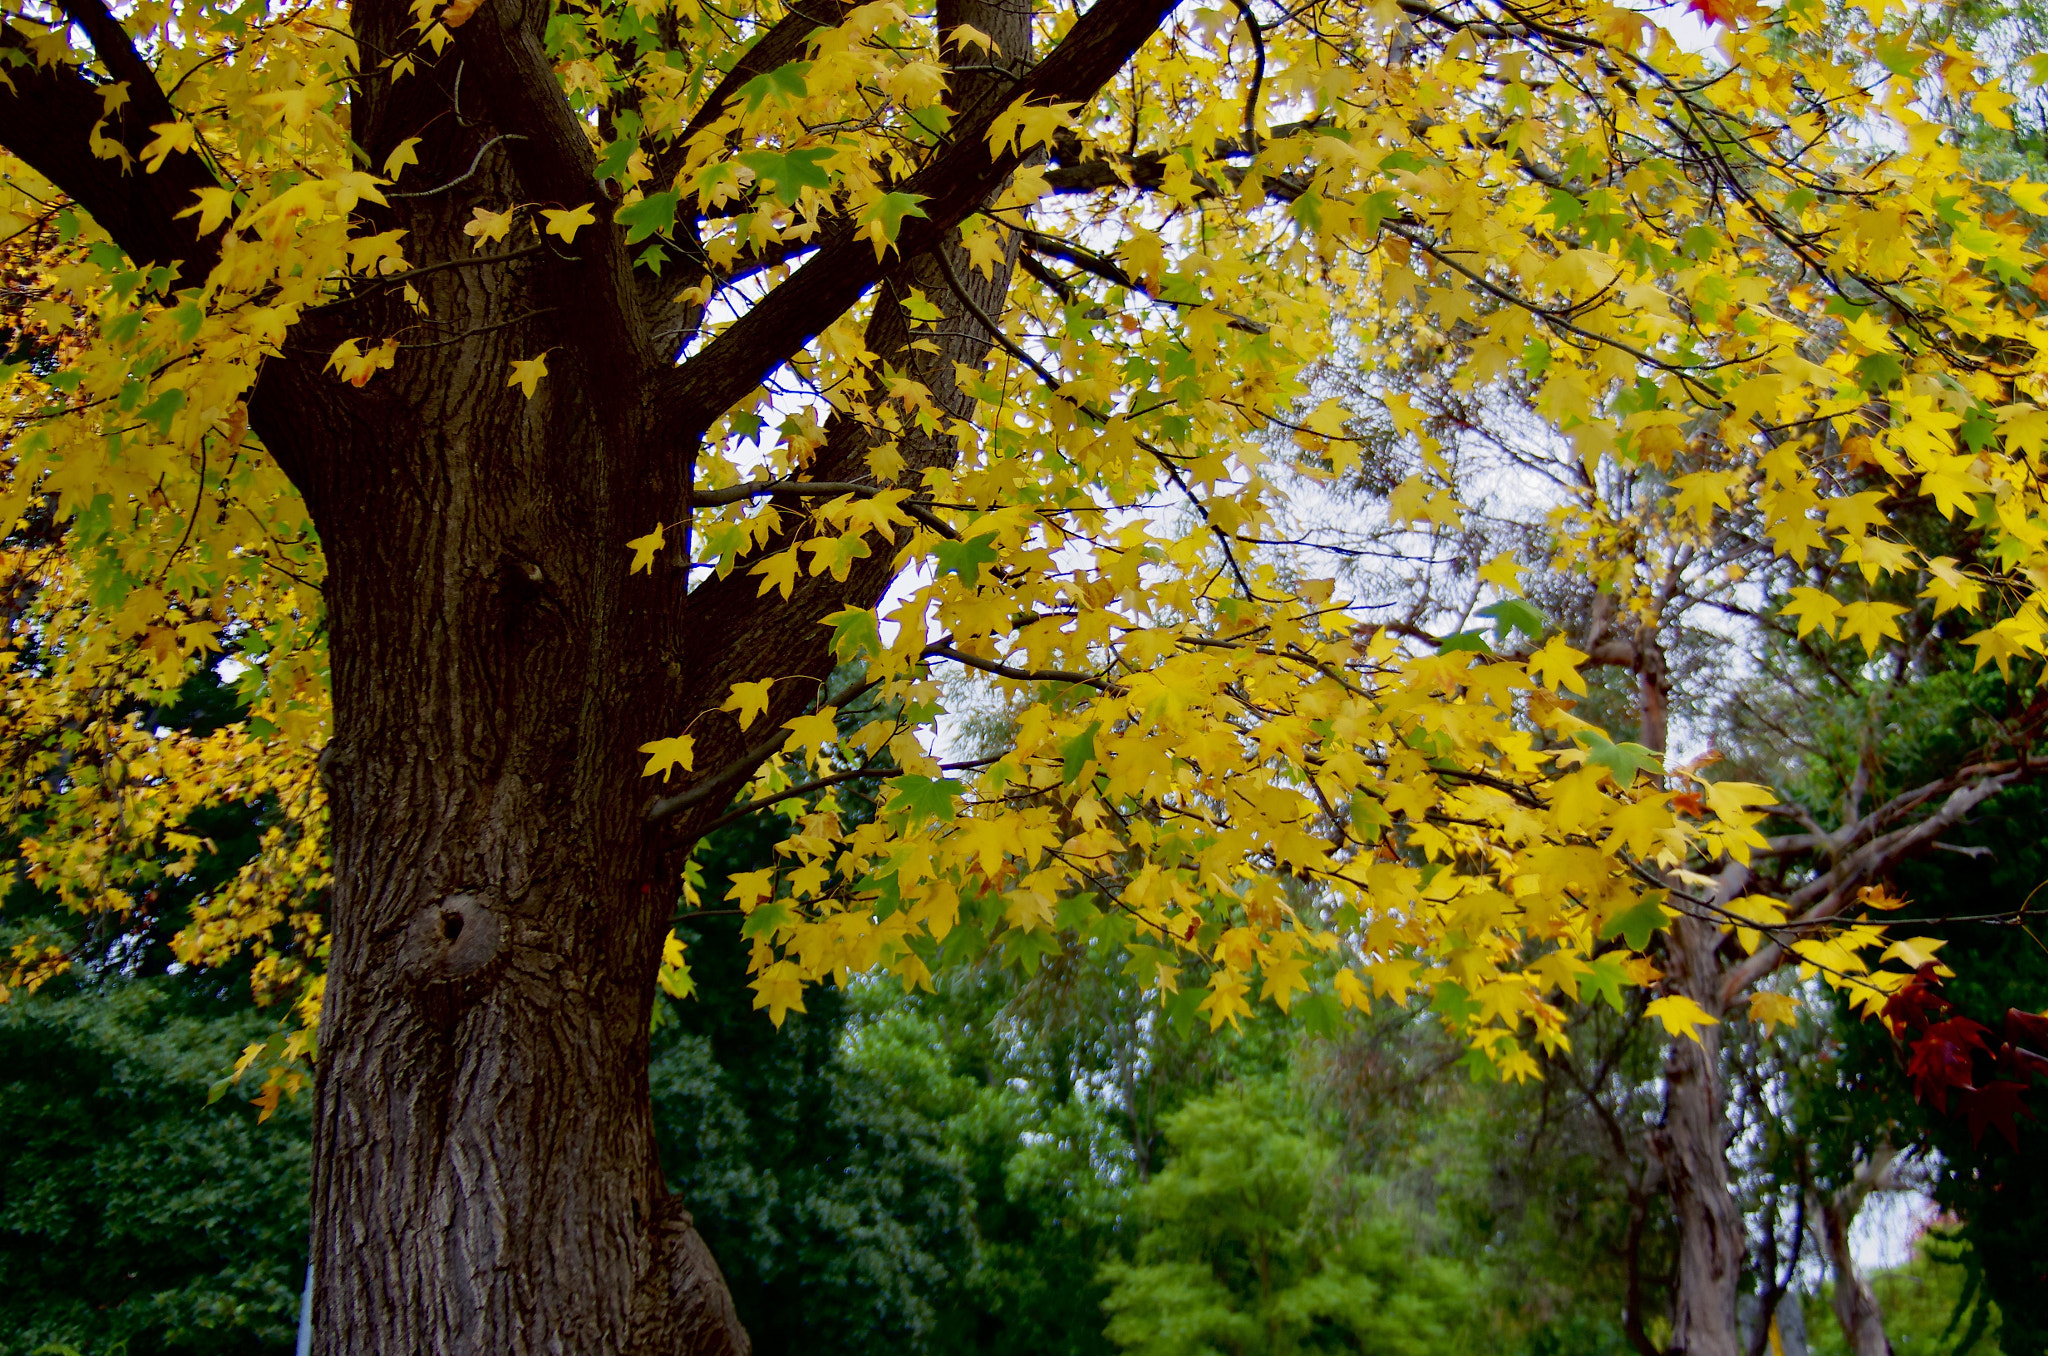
(954,185)
(506,46)
(1826,897)
(47,116)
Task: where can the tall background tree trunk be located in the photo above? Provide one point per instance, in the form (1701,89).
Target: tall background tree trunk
(1691,1142)
(1854,1302)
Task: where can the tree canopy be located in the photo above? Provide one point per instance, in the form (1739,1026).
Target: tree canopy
(1746,271)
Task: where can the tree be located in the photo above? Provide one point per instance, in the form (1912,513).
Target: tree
(1253,1241)
(432,350)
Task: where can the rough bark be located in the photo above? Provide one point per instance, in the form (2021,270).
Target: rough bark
(486,1180)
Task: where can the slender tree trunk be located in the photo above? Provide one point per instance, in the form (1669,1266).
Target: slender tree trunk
(1855,1303)
(1691,1142)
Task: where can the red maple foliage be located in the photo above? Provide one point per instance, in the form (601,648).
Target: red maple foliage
(1723,12)
(1948,1054)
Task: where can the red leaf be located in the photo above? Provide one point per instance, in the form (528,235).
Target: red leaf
(1961,1031)
(1916,1005)
(1997,1103)
(2018,1060)
(1942,1062)
(1714,11)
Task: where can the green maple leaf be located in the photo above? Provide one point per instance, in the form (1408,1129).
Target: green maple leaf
(791,173)
(1516,614)
(1635,923)
(1078,752)
(1624,760)
(889,211)
(654,214)
(1605,977)
(854,633)
(784,83)
(965,558)
(923,797)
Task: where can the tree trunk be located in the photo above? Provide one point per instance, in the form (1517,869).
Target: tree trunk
(1855,1303)
(1691,1142)
(486,1176)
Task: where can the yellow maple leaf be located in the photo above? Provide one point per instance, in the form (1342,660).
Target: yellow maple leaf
(1351,990)
(1773,1010)
(665,755)
(486,225)
(645,548)
(778,571)
(214,206)
(1914,952)
(1871,623)
(1504,572)
(1556,666)
(674,975)
(1026,125)
(1225,1002)
(566,223)
(1519,1065)
(964,36)
(1812,608)
(356,367)
(527,372)
(1680,1015)
(780,989)
(749,700)
(1735,802)
(402,155)
(170,137)
(814,730)
(1282,977)
(1948,588)
(1393,979)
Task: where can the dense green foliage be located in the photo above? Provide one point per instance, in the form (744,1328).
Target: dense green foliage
(131,1211)
(1996,1189)
(1254,1241)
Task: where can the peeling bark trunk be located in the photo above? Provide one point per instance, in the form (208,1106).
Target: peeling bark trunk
(1855,1303)
(1691,1143)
